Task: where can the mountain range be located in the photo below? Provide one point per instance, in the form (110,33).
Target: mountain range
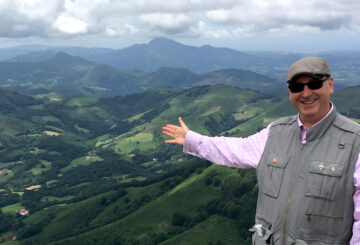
(73,75)
(162,52)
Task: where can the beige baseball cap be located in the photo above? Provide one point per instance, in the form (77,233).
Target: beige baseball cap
(312,66)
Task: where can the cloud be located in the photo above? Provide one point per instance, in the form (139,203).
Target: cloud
(192,18)
(203,30)
(167,23)
(70,25)
(26,18)
(120,31)
(296,16)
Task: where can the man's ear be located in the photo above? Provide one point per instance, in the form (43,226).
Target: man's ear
(287,86)
(331,85)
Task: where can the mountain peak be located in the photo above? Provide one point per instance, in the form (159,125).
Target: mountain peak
(68,59)
(162,41)
(33,57)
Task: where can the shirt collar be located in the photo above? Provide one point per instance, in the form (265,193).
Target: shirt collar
(303,127)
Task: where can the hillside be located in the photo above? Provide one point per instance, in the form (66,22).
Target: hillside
(74,150)
(67,75)
(74,76)
(89,169)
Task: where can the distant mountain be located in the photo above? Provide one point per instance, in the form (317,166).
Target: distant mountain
(182,78)
(9,53)
(61,70)
(163,52)
(28,52)
(33,57)
(244,79)
(73,75)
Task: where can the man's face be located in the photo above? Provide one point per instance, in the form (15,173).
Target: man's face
(312,105)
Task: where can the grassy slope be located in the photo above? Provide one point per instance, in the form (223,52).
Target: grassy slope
(12,209)
(155,217)
(215,228)
(196,107)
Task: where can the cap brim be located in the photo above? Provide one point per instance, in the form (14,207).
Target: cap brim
(317,76)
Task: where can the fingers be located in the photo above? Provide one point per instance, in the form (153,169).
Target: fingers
(170,141)
(183,125)
(170,130)
(168,134)
(170,127)
(175,132)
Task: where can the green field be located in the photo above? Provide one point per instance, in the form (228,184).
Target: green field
(141,141)
(12,209)
(79,102)
(53,97)
(5,177)
(43,166)
(54,198)
(50,119)
(81,161)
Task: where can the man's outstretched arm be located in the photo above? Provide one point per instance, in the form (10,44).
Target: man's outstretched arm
(227,151)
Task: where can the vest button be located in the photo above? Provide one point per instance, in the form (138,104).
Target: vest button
(275,161)
(321,166)
(341,145)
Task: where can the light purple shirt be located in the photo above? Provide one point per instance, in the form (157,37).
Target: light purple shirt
(246,153)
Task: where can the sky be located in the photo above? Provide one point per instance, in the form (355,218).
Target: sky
(286,25)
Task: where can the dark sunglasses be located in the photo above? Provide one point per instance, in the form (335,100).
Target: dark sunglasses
(316,83)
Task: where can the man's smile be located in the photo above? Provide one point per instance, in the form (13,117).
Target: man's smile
(308,101)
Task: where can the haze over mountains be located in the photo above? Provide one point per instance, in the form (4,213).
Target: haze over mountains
(73,75)
(162,52)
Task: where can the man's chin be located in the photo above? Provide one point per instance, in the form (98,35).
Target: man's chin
(308,115)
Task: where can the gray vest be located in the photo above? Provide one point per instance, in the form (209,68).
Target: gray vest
(306,190)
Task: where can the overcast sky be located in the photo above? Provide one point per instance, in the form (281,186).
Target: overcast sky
(289,25)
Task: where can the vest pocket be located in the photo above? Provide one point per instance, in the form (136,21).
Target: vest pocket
(324,179)
(275,167)
(322,227)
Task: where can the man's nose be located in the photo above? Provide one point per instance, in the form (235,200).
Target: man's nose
(307,91)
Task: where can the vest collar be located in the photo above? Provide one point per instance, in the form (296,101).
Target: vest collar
(320,128)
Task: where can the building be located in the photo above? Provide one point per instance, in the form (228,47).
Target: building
(24,211)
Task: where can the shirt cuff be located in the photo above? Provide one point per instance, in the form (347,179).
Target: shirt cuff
(191,143)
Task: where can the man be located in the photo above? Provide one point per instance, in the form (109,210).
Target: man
(308,166)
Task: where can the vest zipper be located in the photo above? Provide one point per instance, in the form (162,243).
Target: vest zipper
(289,195)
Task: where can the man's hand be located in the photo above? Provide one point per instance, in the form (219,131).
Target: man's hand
(177,133)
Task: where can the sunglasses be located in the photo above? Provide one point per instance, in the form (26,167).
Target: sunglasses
(316,83)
